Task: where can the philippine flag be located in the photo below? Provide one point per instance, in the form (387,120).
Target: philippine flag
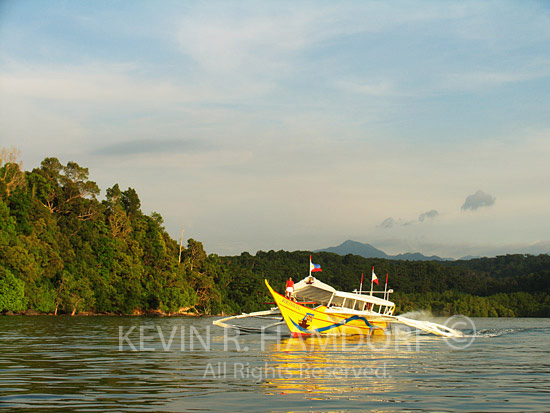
(314,267)
(374,278)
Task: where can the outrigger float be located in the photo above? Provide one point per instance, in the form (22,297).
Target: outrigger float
(335,313)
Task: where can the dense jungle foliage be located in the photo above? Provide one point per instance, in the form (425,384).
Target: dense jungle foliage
(519,286)
(64,251)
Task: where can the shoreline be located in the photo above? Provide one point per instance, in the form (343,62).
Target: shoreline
(158,313)
(92,314)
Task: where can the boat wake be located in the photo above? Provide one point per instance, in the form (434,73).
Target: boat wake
(498,332)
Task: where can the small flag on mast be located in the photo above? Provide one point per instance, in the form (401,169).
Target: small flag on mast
(314,267)
(374,278)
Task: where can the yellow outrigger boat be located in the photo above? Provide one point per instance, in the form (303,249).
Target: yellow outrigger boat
(336,313)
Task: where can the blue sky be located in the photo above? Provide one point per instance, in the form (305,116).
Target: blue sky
(415,126)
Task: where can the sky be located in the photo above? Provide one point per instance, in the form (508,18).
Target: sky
(410,125)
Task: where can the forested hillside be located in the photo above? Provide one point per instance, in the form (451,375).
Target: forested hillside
(442,288)
(62,251)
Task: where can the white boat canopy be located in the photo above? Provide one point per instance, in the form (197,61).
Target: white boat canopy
(311,289)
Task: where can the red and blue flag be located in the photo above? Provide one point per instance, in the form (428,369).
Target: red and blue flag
(314,267)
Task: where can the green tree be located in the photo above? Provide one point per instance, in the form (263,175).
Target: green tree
(12,292)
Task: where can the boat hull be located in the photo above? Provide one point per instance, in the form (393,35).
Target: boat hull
(304,321)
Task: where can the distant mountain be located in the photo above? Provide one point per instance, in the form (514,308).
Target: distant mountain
(368,251)
(416,256)
(468,257)
(356,248)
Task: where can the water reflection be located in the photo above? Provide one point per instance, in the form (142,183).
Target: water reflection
(336,365)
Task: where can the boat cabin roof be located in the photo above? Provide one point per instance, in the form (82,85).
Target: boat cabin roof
(318,291)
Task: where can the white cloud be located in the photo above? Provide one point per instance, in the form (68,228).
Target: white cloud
(111,84)
(482,80)
(379,89)
(220,44)
(263,42)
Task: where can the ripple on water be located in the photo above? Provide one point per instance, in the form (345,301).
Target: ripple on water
(74,363)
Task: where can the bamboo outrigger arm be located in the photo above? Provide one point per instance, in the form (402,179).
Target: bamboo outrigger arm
(427,326)
(245,329)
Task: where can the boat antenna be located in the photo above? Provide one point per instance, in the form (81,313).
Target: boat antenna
(361,285)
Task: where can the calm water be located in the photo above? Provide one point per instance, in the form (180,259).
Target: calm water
(88,364)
